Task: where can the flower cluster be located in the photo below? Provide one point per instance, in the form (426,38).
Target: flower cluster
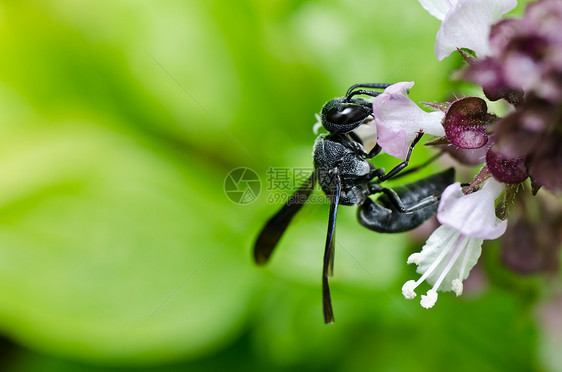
(527,58)
(519,61)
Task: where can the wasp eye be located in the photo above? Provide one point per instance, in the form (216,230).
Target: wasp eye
(350,114)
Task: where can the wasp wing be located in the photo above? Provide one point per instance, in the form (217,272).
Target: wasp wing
(276,226)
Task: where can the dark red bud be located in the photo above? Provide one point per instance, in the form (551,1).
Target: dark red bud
(466,121)
(506,169)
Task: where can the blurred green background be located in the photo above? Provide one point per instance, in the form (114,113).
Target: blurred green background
(118,246)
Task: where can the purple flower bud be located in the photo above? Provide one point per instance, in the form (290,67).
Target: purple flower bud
(545,16)
(545,164)
(466,121)
(504,168)
(502,33)
(529,248)
(519,133)
(490,76)
(532,241)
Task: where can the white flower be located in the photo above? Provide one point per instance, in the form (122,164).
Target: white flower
(454,248)
(398,120)
(316,127)
(368,134)
(466,23)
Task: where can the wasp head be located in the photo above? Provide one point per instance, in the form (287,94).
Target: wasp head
(342,115)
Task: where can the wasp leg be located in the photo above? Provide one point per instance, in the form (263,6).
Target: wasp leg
(374,151)
(328,266)
(351,143)
(355,137)
(394,198)
(379,172)
(422,165)
(397,169)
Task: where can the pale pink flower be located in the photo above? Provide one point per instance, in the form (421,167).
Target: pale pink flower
(398,120)
(454,248)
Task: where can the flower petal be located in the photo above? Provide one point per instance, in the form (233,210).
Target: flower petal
(473,214)
(467,25)
(393,142)
(367,132)
(399,119)
(438,8)
(457,287)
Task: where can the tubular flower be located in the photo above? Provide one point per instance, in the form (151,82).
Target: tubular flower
(398,120)
(454,248)
(466,23)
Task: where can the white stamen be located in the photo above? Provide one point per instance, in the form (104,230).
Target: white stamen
(415,258)
(429,299)
(433,266)
(408,289)
(452,259)
(457,287)
(463,266)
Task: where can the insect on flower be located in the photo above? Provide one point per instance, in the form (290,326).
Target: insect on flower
(347,178)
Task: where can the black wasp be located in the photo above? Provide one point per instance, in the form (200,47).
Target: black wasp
(347,178)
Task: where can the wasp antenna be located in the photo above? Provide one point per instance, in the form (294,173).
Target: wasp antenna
(365,92)
(368,85)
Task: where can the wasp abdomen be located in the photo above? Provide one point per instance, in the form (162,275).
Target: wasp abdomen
(384,216)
